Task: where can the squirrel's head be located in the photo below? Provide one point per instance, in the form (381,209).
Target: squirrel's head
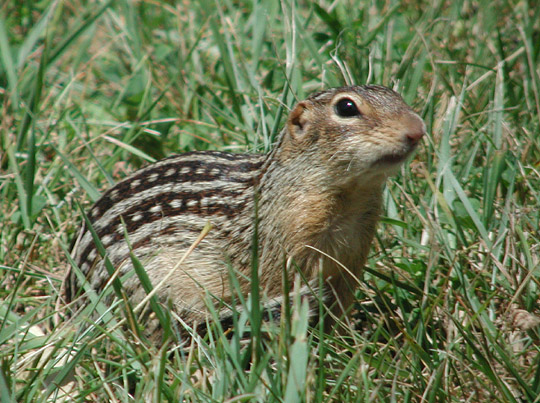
(353,131)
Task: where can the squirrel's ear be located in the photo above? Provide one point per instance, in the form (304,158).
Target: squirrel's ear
(298,121)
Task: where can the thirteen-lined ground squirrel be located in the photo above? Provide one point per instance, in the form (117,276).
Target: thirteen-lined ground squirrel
(318,195)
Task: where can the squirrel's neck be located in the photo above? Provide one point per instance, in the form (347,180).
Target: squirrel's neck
(304,216)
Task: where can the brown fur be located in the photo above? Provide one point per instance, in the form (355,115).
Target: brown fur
(318,195)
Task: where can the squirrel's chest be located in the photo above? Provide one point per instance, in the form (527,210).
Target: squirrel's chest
(311,226)
(349,235)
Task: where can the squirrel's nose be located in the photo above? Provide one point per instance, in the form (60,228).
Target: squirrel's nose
(413,128)
(415,136)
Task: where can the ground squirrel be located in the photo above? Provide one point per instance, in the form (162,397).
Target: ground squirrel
(318,196)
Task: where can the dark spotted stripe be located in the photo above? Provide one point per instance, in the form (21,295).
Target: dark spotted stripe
(213,171)
(219,154)
(190,203)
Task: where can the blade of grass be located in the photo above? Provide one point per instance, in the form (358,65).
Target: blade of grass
(85,184)
(8,65)
(21,191)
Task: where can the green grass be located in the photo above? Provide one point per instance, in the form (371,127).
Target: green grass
(448,310)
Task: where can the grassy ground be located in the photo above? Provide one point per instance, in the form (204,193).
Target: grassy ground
(90,91)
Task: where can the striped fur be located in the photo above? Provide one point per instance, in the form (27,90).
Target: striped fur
(318,195)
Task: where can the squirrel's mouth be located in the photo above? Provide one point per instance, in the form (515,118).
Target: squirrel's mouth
(394,158)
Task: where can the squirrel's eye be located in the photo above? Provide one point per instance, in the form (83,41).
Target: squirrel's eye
(346,108)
